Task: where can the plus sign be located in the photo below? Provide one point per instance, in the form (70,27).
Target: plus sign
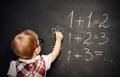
(79,21)
(77,56)
(78,38)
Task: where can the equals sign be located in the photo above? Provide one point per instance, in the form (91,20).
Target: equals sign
(99,53)
(96,37)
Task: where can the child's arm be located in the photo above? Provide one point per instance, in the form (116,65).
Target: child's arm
(57,47)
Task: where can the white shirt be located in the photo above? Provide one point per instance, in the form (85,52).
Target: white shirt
(12,68)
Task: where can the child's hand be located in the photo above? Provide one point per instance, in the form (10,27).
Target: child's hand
(59,36)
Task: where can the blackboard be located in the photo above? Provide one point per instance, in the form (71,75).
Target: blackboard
(91,45)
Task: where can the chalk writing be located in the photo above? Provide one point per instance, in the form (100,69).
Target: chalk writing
(69,36)
(77,56)
(89,53)
(68,57)
(71,18)
(57,28)
(108,60)
(78,38)
(89,19)
(96,37)
(85,39)
(96,22)
(79,21)
(103,36)
(102,23)
(99,53)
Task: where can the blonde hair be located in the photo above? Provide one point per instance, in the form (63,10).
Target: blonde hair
(24,44)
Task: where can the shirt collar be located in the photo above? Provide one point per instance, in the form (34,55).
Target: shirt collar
(30,60)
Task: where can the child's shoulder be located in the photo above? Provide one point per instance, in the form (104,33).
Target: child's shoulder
(46,56)
(13,62)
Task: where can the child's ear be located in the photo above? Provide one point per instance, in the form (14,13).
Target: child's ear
(37,50)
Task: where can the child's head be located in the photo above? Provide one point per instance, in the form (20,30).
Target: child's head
(26,44)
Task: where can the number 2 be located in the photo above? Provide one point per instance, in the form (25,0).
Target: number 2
(102,23)
(86,40)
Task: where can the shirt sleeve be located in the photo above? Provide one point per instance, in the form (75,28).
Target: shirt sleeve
(47,59)
(12,69)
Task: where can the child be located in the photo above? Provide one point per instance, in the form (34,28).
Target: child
(30,64)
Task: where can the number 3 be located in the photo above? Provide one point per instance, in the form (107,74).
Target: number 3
(103,37)
(89,53)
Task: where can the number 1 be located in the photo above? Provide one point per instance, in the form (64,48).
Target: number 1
(89,19)
(71,18)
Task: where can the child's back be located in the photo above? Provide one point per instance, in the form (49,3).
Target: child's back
(30,64)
